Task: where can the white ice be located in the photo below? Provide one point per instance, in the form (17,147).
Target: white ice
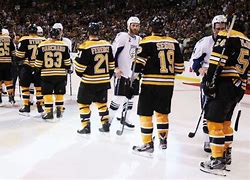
(33,149)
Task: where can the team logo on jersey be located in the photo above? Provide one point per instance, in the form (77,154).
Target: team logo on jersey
(132,51)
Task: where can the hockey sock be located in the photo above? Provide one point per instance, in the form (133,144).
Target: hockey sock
(9,87)
(146,128)
(113,109)
(25,95)
(162,125)
(217,138)
(103,111)
(48,102)
(84,114)
(228,131)
(59,101)
(39,96)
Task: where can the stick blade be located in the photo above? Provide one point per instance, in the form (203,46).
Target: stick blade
(191,135)
(119,132)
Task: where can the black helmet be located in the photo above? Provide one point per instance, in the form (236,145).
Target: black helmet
(93,28)
(239,24)
(54,33)
(157,24)
(32,29)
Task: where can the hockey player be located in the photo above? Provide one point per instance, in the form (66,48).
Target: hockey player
(159,59)
(53,60)
(26,56)
(94,65)
(124,47)
(225,84)
(7,52)
(32,88)
(199,62)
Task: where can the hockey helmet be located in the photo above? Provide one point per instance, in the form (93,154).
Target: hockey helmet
(132,19)
(39,31)
(55,33)
(93,28)
(219,19)
(32,29)
(58,26)
(157,24)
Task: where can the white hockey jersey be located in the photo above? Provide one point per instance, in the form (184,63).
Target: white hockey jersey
(203,47)
(125,58)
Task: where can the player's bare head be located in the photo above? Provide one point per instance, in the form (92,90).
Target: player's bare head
(39,31)
(133,25)
(157,24)
(54,34)
(219,24)
(32,29)
(93,29)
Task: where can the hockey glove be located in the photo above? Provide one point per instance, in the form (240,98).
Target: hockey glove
(129,92)
(209,90)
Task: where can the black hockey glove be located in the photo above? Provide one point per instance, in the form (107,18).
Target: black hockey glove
(209,89)
(129,92)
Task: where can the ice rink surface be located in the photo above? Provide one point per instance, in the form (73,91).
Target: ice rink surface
(33,149)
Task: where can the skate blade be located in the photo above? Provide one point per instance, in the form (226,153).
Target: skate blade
(217,172)
(143,154)
(24,114)
(55,120)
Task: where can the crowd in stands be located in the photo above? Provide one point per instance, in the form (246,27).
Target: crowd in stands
(186,20)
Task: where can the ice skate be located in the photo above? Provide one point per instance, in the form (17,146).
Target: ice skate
(145,150)
(216,166)
(25,110)
(105,127)
(85,130)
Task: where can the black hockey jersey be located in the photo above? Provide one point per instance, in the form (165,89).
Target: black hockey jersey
(53,58)
(159,59)
(27,49)
(7,50)
(95,63)
(234,64)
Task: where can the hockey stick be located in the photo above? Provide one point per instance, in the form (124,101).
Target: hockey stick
(236,124)
(70,85)
(124,113)
(192,134)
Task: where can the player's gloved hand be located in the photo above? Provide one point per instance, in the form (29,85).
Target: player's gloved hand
(209,89)
(69,71)
(129,92)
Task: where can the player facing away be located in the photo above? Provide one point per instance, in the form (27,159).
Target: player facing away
(225,83)
(26,56)
(199,63)
(7,52)
(95,66)
(159,59)
(124,47)
(53,60)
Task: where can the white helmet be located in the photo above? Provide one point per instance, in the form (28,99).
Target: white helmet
(5,32)
(58,26)
(132,19)
(219,19)
(39,30)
